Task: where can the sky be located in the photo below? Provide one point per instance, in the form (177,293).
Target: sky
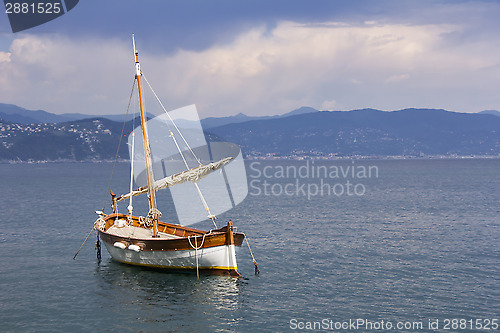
(259,57)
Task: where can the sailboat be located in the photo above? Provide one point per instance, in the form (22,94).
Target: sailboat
(147,241)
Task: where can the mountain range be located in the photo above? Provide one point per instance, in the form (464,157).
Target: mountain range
(212,122)
(493,112)
(41,136)
(368,132)
(17,114)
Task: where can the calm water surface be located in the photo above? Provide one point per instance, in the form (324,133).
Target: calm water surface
(420,243)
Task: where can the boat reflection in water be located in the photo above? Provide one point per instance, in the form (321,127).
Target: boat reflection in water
(179,300)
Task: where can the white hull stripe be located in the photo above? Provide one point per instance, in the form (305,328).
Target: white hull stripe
(218,257)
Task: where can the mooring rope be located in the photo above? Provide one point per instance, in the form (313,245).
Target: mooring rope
(196,248)
(257,272)
(74,257)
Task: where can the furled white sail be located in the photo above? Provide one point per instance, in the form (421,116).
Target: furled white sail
(193,175)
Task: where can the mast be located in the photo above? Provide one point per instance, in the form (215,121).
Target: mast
(153,211)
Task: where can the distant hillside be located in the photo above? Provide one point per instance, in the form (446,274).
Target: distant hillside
(19,115)
(84,140)
(240,118)
(94,139)
(493,112)
(368,132)
(16,114)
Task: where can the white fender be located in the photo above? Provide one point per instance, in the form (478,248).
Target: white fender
(135,248)
(119,245)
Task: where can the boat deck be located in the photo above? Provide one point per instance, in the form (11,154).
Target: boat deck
(137,232)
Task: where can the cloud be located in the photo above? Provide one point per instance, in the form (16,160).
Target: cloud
(295,64)
(61,75)
(264,71)
(397,78)
(328,105)
(4,57)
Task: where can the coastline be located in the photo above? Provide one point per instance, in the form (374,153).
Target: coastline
(284,158)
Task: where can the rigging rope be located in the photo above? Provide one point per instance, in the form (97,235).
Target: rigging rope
(200,194)
(173,123)
(119,143)
(210,215)
(130,208)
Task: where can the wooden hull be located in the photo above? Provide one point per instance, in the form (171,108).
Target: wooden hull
(220,258)
(177,248)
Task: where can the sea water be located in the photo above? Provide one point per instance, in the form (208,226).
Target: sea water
(413,245)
